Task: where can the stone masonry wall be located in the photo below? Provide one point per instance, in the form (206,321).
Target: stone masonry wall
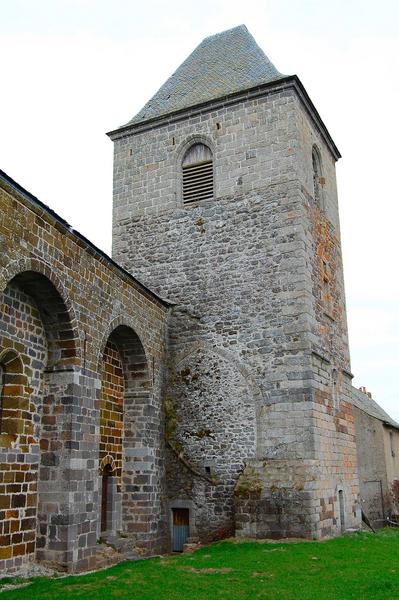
(214,438)
(335,439)
(22,335)
(391,443)
(111,410)
(377,444)
(241,269)
(61,302)
(233,266)
(374,490)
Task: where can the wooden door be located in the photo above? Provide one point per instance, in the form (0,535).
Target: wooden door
(180,528)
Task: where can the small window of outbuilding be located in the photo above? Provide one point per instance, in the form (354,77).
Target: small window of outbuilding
(392,444)
(197,167)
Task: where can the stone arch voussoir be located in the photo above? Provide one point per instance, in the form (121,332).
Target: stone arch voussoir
(12,362)
(125,321)
(195,138)
(107,460)
(18,267)
(258,395)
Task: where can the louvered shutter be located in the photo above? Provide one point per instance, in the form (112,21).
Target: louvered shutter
(197,174)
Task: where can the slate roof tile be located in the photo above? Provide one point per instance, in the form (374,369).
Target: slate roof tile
(370,406)
(222,64)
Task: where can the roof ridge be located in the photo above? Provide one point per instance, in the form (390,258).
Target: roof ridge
(226,31)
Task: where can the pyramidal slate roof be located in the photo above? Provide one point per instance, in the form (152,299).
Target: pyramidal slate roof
(222,64)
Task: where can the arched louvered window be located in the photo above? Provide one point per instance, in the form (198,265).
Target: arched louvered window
(317,175)
(197,169)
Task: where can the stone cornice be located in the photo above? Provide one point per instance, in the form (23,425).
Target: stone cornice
(273,87)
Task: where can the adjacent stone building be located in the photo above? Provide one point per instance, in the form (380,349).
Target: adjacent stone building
(377,442)
(226,409)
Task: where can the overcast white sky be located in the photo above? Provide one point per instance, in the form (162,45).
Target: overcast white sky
(74,69)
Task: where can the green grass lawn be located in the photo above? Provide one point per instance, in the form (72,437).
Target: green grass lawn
(361,566)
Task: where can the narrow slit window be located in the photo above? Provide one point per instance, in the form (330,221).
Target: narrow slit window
(197,174)
(2,377)
(317,178)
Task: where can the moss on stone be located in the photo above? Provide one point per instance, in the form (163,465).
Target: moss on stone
(249,483)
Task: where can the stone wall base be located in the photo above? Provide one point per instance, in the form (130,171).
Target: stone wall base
(277,498)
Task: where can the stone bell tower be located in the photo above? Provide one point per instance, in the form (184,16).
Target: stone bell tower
(225,202)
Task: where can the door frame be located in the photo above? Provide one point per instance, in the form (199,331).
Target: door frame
(106,498)
(181,503)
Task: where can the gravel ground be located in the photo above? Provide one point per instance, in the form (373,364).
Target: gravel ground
(25,572)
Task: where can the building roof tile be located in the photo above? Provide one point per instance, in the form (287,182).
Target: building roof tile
(365,403)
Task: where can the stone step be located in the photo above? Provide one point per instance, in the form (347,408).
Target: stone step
(123,546)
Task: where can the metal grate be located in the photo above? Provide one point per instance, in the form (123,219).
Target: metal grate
(198,181)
